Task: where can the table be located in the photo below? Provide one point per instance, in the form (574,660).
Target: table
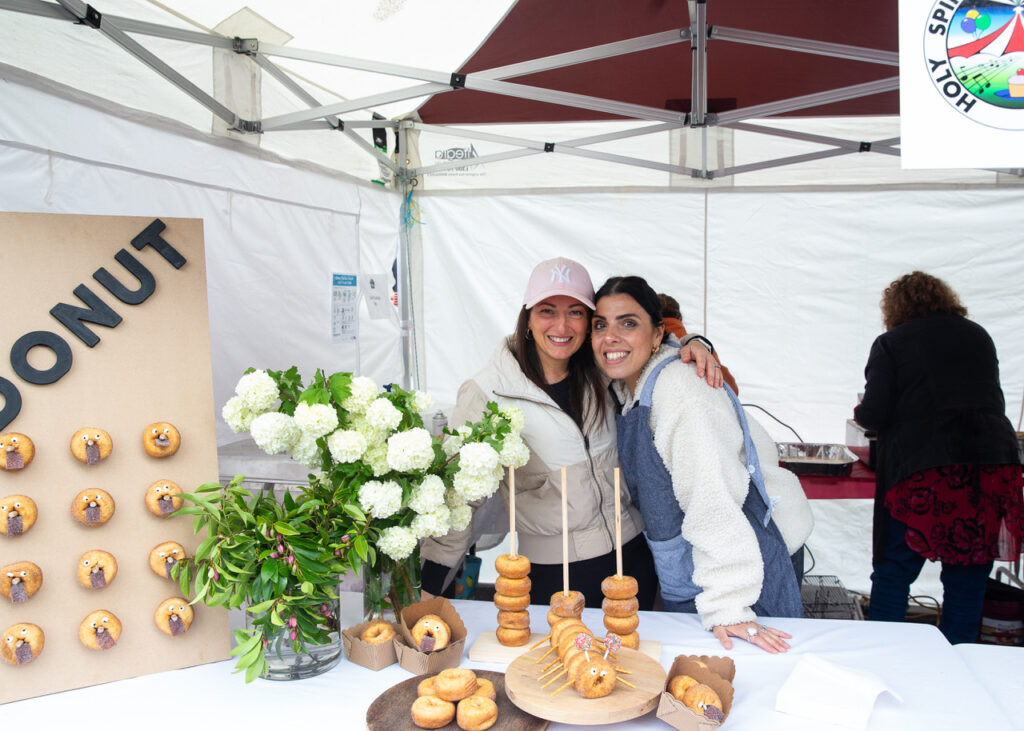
(1000,670)
(912,659)
(858,485)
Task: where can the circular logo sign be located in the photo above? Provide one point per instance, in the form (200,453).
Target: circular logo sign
(974,51)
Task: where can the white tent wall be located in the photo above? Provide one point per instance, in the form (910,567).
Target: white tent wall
(786,283)
(274,232)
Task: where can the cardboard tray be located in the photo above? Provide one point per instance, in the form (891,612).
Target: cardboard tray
(415,660)
(718,675)
(374,657)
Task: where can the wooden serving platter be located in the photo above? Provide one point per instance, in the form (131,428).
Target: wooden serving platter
(390,711)
(621,704)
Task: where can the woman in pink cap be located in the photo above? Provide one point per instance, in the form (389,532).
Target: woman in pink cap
(546,368)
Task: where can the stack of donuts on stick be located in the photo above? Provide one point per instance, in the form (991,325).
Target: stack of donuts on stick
(512,587)
(620,606)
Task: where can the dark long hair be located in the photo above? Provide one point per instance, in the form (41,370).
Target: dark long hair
(583,375)
(917,295)
(638,289)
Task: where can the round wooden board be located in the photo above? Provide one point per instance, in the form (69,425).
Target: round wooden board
(391,709)
(621,704)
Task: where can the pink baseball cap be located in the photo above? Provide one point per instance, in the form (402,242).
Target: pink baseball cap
(559,276)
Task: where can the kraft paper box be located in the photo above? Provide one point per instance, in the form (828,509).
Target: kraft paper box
(368,654)
(418,662)
(717,675)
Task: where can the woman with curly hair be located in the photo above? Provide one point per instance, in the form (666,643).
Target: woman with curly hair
(949,483)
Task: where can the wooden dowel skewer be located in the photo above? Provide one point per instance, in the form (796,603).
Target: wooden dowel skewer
(618,526)
(565,537)
(512,509)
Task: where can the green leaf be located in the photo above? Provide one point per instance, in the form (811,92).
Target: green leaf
(261,607)
(355,512)
(275,619)
(245,647)
(307,587)
(315,395)
(204,548)
(359,543)
(285,529)
(340,385)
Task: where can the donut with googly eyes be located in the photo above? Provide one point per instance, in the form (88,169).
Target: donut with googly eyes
(174,616)
(163,557)
(96,569)
(161,439)
(17,514)
(16,451)
(91,445)
(92,507)
(100,630)
(19,581)
(21,643)
(162,498)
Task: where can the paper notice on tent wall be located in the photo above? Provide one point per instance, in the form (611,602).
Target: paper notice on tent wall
(377,295)
(344,316)
(961,83)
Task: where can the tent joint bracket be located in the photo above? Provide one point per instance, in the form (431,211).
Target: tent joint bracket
(549,147)
(253,126)
(92,18)
(246,46)
(865,147)
(458,81)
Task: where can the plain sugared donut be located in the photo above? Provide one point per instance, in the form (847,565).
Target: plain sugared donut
(512,637)
(619,587)
(567,605)
(679,685)
(511,587)
(454,684)
(429,711)
(377,633)
(513,620)
(621,625)
(620,607)
(512,567)
(595,679)
(632,640)
(431,633)
(511,603)
(476,713)
(485,688)
(567,625)
(426,686)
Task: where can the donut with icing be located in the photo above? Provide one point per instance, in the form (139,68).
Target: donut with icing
(92,507)
(163,557)
(161,439)
(17,514)
(91,445)
(16,451)
(174,616)
(22,643)
(100,630)
(162,498)
(96,569)
(19,581)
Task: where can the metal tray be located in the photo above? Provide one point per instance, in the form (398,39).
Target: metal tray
(816,459)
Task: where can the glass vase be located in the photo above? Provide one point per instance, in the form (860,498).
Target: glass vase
(289,659)
(389,586)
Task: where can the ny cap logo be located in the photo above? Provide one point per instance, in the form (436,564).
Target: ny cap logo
(560,273)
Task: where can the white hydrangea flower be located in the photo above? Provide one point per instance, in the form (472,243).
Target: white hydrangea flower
(421,401)
(515,417)
(258,391)
(275,432)
(472,487)
(410,450)
(453,498)
(383,415)
(397,543)
(237,415)
(460,517)
(451,445)
(372,435)
(316,419)
(478,458)
(346,445)
(305,451)
(435,523)
(514,452)
(380,499)
(377,458)
(364,391)
(428,495)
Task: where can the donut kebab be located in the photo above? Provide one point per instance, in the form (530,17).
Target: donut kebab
(620,607)
(590,673)
(512,597)
(455,694)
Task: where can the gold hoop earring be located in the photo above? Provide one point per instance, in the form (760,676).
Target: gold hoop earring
(529,334)
(654,349)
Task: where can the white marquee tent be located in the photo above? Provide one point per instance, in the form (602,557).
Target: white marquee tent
(782,266)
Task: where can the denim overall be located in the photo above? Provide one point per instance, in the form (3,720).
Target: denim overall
(673,554)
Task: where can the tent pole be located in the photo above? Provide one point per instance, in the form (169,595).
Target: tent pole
(699,53)
(410,377)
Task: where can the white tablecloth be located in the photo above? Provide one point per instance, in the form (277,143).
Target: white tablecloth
(1001,670)
(914,660)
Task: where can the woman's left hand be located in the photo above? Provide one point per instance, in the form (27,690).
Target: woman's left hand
(707,363)
(768,639)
